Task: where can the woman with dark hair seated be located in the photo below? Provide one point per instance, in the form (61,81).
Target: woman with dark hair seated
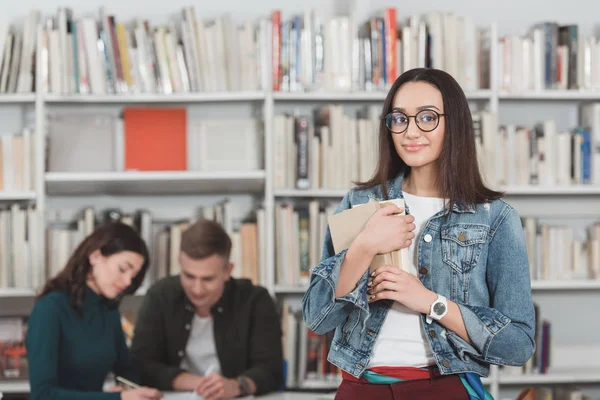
(74,336)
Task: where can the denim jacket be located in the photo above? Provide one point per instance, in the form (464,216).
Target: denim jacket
(476,257)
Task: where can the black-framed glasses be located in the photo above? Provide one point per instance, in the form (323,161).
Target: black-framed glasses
(427,120)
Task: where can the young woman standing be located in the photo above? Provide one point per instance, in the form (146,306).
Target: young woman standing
(466,304)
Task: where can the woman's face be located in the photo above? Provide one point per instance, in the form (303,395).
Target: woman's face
(113,274)
(416,147)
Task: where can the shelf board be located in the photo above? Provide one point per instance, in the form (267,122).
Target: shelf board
(551,95)
(198,97)
(17,292)
(356,96)
(552,377)
(17,98)
(573,190)
(163,182)
(17,196)
(319,193)
(14,386)
(288,289)
(588,284)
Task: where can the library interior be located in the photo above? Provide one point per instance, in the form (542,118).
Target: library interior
(307,84)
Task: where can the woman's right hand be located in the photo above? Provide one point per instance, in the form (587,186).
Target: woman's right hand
(143,393)
(386,231)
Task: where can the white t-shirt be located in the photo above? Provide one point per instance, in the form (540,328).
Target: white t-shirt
(200,351)
(401,341)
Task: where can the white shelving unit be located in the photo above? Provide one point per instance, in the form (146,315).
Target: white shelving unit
(259,183)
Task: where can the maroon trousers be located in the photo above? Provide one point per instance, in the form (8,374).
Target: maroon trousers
(448,387)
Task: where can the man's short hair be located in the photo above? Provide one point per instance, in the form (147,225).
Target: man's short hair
(205,238)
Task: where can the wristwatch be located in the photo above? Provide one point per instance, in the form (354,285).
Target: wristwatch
(438,309)
(244,386)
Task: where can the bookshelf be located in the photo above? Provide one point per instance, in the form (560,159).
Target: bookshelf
(53,191)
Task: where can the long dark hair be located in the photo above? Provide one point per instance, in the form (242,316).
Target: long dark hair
(110,238)
(459,178)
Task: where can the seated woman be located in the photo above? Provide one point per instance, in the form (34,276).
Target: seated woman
(74,336)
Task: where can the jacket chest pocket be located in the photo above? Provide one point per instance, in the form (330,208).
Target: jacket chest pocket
(462,245)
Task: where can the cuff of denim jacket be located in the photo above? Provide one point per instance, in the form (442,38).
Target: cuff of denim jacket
(331,272)
(482,324)
(463,346)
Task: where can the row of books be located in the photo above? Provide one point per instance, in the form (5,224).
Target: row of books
(318,49)
(305,353)
(560,252)
(13,353)
(299,237)
(17,152)
(541,154)
(164,238)
(344,51)
(549,56)
(151,139)
(331,150)
(328,149)
(19,244)
(84,55)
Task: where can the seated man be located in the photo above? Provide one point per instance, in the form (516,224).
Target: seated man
(205,331)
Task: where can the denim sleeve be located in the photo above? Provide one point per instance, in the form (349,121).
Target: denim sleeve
(321,310)
(503,333)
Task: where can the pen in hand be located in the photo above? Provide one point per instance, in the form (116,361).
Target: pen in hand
(127,383)
(210,369)
(146,393)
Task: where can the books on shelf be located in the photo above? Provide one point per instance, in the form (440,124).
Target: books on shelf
(341,50)
(299,237)
(104,55)
(151,139)
(19,245)
(326,150)
(549,56)
(13,353)
(305,354)
(17,169)
(163,238)
(558,252)
(542,154)
(18,55)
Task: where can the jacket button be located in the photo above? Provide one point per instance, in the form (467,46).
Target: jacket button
(432,334)
(462,237)
(372,333)
(359,366)
(180,353)
(423,271)
(446,363)
(427,238)
(187,327)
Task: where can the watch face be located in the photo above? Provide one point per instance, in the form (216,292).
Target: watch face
(439,308)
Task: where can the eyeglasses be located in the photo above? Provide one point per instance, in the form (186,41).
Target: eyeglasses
(427,120)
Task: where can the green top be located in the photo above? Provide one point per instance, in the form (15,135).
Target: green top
(70,356)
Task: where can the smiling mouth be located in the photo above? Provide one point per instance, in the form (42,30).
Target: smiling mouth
(413,147)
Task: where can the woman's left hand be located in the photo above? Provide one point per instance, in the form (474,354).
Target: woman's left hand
(392,283)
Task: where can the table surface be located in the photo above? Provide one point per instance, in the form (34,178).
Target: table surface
(271,396)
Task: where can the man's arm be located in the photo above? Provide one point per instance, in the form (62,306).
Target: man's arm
(149,346)
(265,353)
(187,381)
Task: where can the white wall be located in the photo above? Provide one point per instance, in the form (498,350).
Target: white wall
(512,16)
